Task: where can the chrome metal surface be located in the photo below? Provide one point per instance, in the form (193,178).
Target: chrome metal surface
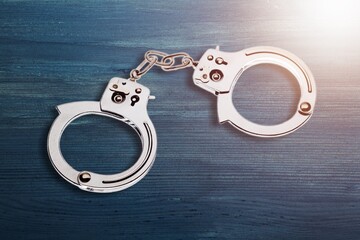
(167,62)
(126,101)
(232,65)
(132,111)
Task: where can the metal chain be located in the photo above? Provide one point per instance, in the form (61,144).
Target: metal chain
(167,62)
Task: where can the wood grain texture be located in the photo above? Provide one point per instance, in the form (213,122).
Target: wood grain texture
(209,181)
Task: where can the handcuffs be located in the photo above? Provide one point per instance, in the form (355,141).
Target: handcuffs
(126,100)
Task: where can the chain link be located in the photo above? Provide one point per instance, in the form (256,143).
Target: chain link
(167,62)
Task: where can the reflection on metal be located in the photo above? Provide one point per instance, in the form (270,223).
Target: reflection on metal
(126,101)
(237,63)
(135,115)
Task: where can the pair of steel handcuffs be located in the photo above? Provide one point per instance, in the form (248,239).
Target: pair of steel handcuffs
(126,100)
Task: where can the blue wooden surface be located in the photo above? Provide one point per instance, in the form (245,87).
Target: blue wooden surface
(209,181)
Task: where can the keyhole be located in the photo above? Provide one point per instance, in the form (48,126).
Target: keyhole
(134,99)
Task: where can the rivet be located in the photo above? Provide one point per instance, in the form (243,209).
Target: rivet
(115,86)
(85,177)
(138,90)
(210,57)
(118,98)
(219,60)
(216,77)
(305,107)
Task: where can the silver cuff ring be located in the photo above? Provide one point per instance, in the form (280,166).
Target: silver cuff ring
(218,72)
(123,100)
